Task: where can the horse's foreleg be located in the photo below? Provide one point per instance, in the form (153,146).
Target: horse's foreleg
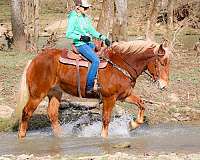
(108,104)
(26,115)
(140,117)
(54,103)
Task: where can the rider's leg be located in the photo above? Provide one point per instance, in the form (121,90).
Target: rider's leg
(88,52)
(92,45)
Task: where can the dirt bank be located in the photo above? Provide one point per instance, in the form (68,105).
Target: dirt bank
(116,156)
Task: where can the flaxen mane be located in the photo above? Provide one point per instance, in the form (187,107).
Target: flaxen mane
(133,47)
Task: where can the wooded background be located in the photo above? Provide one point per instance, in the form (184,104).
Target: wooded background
(118,19)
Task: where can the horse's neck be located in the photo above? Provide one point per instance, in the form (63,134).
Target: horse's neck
(133,64)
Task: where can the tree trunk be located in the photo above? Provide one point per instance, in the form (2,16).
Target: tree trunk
(168,34)
(120,23)
(170,11)
(36,21)
(70,5)
(151,20)
(106,17)
(17,24)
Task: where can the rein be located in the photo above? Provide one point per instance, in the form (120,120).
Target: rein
(129,66)
(126,73)
(120,69)
(147,73)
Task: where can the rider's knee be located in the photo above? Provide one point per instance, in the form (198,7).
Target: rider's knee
(96,61)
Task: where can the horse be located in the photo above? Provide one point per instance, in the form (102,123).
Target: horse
(46,76)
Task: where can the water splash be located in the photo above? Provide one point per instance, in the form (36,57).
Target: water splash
(84,127)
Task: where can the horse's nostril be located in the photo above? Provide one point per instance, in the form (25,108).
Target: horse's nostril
(163,88)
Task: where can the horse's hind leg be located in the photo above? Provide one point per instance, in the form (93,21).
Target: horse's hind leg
(54,103)
(140,117)
(108,104)
(26,115)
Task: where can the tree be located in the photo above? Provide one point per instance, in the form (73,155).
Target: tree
(18,25)
(151,20)
(120,22)
(36,20)
(70,5)
(106,17)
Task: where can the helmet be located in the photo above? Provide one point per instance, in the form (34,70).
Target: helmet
(82,3)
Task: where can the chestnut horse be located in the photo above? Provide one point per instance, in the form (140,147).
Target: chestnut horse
(46,76)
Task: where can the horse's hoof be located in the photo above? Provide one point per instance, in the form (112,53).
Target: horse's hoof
(21,135)
(58,132)
(133,125)
(104,135)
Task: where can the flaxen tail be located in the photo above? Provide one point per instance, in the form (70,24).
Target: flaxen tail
(23,93)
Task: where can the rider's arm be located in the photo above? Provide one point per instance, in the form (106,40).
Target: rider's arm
(70,34)
(93,31)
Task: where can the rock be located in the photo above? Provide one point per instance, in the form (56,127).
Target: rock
(122,145)
(119,110)
(176,115)
(24,157)
(6,112)
(2,30)
(184,118)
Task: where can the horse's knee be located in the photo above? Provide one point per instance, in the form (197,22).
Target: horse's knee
(53,116)
(26,114)
(106,122)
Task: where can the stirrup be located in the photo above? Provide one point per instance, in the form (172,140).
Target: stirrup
(96,87)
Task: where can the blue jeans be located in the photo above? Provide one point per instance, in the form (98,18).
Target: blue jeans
(87,51)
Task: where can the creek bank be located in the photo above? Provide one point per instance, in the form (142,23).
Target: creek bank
(116,156)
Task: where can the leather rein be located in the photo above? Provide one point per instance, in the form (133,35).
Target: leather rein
(126,73)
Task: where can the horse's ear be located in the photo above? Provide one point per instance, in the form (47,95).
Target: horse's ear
(161,51)
(165,42)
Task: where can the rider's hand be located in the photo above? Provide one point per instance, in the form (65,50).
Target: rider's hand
(85,39)
(107,42)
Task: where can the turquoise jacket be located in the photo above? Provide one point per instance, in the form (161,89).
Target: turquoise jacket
(79,24)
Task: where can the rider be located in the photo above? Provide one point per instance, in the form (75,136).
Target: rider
(81,31)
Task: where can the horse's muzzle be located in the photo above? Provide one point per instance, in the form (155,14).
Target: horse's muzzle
(162,85)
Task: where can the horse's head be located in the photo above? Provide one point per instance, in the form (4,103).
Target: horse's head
(159,66)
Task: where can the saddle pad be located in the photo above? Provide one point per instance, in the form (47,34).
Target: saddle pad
(81,62)
(69,57)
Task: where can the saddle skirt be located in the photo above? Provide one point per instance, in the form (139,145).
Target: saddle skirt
(72,58)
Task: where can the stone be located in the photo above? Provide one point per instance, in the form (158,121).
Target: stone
(119,110)
(3,29)
(122,145)
(176,115)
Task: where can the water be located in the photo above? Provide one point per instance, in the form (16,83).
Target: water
(87,140)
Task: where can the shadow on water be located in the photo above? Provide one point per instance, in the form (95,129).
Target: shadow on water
(87,140)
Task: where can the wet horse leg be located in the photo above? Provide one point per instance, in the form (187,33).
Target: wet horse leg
(53,107)
(26,115)
(108,103)
(140,117)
